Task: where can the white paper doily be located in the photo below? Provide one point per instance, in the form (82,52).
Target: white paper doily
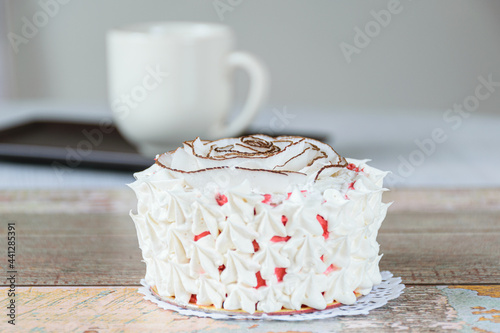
(390,288)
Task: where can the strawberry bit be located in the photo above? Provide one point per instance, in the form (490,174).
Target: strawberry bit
(221,199)
(221,268)
(330,268)
(324,225)
(353,167)
(193,299)
(351,186)
(200,236)
(280,272)
(276,239)
(267,199)
(256,246)
(284,219)
(260,281)
(346,197)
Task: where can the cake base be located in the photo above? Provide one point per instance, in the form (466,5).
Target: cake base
(213,309)
(390,288)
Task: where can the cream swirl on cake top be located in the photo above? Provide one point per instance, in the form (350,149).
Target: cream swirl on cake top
(302,158)
(256,152)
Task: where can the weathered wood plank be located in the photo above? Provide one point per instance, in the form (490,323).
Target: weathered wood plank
(442,258)
(67,201)
(443,222)
(68,225)
(80,260)
(444,200)
(102,249)
(80,238)
(122,200)
(121,224)
(77,309)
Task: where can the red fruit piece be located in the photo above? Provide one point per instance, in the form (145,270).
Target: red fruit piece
(284,219)
(260,281)
(330,268)
(324,225)
(351,186)
(221,199)
(352,167)
(276,239)
(193,299)
(256,246)
(200,236)
(280,272)
(221,268)
(267,199)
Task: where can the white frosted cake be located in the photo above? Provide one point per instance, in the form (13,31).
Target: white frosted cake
(259,224)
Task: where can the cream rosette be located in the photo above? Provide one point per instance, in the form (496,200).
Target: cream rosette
(271,164)
(260,223)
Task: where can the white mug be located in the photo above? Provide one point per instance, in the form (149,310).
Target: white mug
(171,81)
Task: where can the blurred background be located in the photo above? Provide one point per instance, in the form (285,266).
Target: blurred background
(392,93)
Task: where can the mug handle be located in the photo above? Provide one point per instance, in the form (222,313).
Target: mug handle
(258,89)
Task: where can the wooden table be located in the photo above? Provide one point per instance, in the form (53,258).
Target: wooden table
(78,266)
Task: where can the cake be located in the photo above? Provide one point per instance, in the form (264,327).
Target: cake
(259,224)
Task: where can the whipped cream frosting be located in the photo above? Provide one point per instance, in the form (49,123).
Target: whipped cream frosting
(260,223)
(290,161)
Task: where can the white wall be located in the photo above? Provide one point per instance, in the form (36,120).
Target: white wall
(428,57)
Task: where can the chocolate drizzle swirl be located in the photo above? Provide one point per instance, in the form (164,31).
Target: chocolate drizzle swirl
(262,147)
(248,147)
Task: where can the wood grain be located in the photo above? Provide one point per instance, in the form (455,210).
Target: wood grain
(444,200)
(79,266)
(77,309)
(441,222)
(102,249)
(118,201)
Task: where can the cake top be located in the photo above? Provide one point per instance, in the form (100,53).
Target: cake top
(282,155)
